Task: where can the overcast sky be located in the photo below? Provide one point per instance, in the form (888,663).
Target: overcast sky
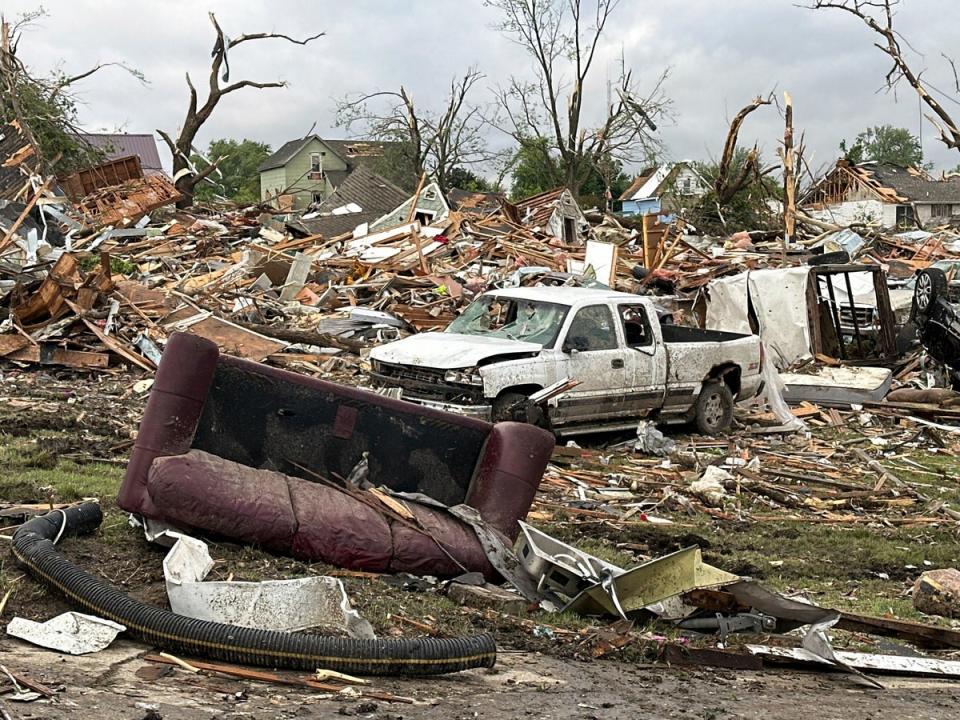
(721,54)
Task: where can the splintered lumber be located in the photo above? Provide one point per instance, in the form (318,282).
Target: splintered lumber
(48,354)
(244,673)
(307,338)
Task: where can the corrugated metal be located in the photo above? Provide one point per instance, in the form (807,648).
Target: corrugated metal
(119,145)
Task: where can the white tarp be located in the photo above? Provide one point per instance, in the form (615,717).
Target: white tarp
(779,299)
(285,605)
(72,632)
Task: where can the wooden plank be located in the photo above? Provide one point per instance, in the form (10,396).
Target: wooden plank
(50,354)
(12,343)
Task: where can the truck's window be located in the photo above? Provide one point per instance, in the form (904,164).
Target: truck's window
(592,329)
(636,325)
(510,318)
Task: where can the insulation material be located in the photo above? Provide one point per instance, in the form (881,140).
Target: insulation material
(72,632)
(727,305)
(779,301)
(284,605)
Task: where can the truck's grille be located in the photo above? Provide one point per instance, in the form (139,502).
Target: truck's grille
(864,315)
(426,384)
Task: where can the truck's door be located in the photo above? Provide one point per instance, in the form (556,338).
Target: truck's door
(645,363)
(595,357)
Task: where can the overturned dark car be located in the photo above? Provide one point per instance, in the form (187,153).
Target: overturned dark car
(937,319)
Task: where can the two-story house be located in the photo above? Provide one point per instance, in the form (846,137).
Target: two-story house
(308,170)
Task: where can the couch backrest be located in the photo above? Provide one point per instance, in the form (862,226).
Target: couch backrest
(277,420)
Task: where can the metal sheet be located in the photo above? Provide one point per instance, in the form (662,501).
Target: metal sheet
(284,605)
(650,583)
(72,632)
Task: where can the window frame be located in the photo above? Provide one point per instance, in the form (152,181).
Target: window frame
(613,328)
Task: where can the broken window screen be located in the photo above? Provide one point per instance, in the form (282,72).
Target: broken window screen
(315,162)
(636,326)
(513,319)
(592,329)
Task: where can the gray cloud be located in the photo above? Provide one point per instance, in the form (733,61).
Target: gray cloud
(720,54)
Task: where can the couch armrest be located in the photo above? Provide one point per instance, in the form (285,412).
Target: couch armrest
(508,474)
(170,419)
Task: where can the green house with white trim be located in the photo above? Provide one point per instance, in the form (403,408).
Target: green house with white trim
(308,170)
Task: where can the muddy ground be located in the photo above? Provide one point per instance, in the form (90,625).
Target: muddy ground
(64,438)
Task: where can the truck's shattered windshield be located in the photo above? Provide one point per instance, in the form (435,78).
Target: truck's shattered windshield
(513,319)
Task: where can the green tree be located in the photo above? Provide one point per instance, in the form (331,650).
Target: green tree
(885,144)
(46,106)
(236,177)
(748,208)
(537,169)
(464,179)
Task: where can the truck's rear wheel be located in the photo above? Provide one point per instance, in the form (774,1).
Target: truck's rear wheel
(714,408)
(518,408)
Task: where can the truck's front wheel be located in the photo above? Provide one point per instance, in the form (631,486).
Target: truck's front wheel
(714,408)
(518,408)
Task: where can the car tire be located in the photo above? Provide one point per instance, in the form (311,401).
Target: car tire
(931,285)
(714,408)
(516,407)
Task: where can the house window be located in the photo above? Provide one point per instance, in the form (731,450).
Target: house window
(569,231)
(316,165)
(905,215)
(318,198)
(938,210)
(687,186)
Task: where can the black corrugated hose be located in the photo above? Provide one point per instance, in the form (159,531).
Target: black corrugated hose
(33,545)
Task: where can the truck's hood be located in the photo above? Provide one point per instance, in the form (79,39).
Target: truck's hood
(446,351)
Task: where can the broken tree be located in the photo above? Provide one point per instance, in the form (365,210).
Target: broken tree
(185,175)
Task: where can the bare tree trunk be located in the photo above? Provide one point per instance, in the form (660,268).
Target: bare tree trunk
(940,118)
(789,177)
(726,187)
(186,177)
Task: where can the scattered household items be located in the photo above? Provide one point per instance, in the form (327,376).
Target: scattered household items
(33,546)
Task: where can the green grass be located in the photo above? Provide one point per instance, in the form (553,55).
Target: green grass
(31,471)
(862,568)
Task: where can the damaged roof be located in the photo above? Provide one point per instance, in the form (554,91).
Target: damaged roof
(914,184)
(352,152)
(120,145)
(538,209)
(375,196)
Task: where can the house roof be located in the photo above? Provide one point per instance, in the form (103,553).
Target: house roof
(364,188)
(652,181)
(475,203)
(890,183)
(914,184)
(352,152)
(538,209)
(119,145)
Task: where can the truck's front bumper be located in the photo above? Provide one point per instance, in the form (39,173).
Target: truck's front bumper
(480,412)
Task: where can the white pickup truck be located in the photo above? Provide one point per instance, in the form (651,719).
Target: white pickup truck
(508,345)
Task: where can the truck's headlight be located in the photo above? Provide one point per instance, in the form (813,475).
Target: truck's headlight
(463,377)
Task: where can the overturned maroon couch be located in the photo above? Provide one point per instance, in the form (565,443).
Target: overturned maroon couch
(235,448)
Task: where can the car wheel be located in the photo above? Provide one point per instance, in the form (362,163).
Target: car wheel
(517,407)
(931,284)
(714,408)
